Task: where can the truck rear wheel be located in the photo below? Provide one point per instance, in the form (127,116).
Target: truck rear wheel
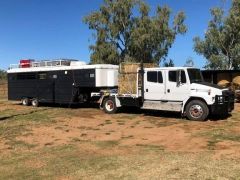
(197,110)
(109,105)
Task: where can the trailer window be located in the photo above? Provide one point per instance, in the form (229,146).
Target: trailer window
(152,76)
(23,76)
(172,76)
(42,76)
(91,75)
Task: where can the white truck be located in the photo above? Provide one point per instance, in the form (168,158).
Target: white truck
(179,89)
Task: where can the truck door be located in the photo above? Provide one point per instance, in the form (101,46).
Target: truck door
(153,85)
(177,91)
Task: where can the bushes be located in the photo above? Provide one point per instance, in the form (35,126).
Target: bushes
(3,75)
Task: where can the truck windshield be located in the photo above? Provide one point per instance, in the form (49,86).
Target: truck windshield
(195,75)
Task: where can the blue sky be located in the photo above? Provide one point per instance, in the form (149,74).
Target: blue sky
(50,29)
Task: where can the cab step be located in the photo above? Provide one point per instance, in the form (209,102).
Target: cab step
(162,105)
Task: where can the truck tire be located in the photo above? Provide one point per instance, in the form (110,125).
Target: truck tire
(35,103)
(25,101)
(109,105)
(197,110)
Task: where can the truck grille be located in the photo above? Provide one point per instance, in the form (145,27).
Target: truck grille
(228,96)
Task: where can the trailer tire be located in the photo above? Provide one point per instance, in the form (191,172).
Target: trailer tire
(109,105)
(197,110)
(35,103)
(26,101)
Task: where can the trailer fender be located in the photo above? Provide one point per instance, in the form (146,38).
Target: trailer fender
(117,101)
(101,100)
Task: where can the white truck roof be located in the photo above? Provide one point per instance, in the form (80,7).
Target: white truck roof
(169,68)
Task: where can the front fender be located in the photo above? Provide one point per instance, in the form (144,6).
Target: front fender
(206,98)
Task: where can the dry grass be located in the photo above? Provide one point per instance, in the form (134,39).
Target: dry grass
(85,143)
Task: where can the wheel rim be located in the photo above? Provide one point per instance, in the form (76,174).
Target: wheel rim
(34,103)
(24,101)
(196,111)
(109,105)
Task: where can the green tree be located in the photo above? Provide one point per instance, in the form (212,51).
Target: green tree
(3,75)
(221,44)
(189,62)
(168,63)
(124,34)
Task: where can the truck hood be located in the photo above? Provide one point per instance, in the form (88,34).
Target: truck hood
(210,85)
(205,87)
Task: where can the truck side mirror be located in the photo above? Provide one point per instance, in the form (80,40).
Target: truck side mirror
(179,80)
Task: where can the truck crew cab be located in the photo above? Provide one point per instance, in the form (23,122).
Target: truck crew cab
(179,89)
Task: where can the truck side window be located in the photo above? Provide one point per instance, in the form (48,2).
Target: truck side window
(183,77)
(172,76)
(160,78)
(152,76)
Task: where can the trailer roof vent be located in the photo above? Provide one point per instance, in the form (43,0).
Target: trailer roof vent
(77,63)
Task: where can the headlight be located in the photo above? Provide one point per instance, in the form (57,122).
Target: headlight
(220,99)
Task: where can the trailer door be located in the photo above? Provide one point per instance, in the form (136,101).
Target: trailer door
(154,85)
(45,87)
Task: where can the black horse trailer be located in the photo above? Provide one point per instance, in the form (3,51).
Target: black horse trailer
(59,81)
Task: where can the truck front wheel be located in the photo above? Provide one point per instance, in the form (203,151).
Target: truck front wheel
(109,105)
(197,110)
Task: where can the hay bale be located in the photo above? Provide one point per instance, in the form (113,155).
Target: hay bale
(236,80)
(127,80)
(236,83)
(223,83)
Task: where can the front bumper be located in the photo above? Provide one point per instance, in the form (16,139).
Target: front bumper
(223,104)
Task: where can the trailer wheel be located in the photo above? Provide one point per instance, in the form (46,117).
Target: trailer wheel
(25,101)
(35,103)
(109,105)
(197,110)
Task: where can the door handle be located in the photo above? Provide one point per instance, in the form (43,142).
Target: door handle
(146,90)
(168,90)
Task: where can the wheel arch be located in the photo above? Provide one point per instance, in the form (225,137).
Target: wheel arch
(191,99)
(102,100)
(117,101)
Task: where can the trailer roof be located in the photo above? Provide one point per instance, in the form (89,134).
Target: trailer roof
(58,68)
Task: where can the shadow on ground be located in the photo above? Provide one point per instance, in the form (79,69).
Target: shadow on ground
(129,110)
